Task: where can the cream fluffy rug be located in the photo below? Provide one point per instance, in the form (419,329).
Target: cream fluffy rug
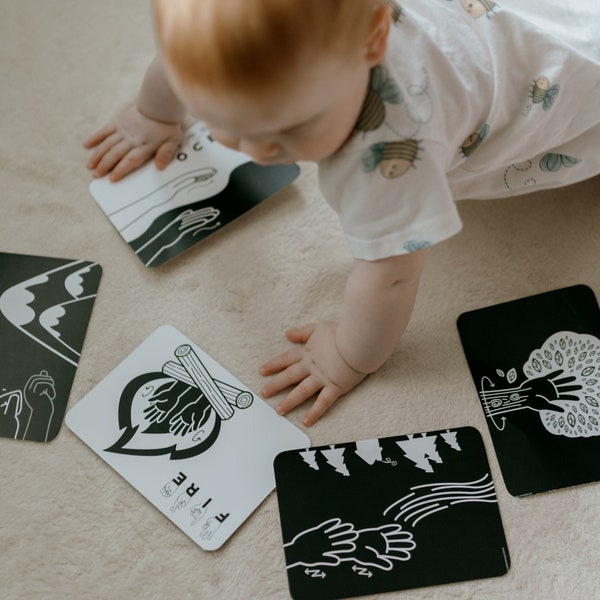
(70,527)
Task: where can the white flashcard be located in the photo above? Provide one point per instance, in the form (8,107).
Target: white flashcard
(190,437)
(163,213)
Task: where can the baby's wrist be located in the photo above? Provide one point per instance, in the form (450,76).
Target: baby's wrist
(345,361)
(153,116)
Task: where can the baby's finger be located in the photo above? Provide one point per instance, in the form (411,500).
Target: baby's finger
(111,158)
(321,405)
(165,154)
(99,136)
(300,335)
(285,379)
(135,158)
(306,389)
(281,362)
(103,148)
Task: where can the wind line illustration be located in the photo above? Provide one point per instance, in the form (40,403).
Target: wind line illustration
(424,500)
(335,541)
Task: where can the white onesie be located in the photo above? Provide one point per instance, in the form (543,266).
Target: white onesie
(475,99)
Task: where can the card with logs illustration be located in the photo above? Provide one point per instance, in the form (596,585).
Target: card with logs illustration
(190,437)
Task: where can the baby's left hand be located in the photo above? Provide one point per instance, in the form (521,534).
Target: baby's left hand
(313,367)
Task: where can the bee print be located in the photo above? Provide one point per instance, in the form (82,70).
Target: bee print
(541,91)
(473,141)
(381,89)
(553,162)
(393,158)
(396,11)
(478,8)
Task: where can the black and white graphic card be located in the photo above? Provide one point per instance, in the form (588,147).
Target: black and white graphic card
(191,438)
(162,213)
(389,514)
(45,307)
(536,366)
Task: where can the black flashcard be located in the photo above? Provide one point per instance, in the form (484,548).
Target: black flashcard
(536,366)
(162,213)
(45,307)
(389,514)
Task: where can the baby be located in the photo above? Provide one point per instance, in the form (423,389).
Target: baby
(406,110)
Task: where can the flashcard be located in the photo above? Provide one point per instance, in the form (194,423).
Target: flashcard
(389,514)
(536,366)
(192,439)
(45,307)
(162,213)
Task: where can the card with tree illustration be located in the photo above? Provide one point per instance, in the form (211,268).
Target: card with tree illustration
(535,363)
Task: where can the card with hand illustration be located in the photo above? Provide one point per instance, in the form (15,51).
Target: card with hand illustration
(389,514)
(162,213)
(45,308)
(535,363)
(190,437)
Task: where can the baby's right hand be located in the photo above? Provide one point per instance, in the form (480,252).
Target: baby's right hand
(132,139)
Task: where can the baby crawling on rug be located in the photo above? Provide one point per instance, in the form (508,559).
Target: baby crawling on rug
(405,110)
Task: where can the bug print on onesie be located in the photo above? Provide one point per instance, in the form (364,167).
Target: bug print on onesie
(479,8)
(394,159)
(542,93)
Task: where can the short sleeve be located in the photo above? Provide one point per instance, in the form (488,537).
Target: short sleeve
(392,197)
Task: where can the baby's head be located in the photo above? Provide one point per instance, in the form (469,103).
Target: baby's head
(282,80)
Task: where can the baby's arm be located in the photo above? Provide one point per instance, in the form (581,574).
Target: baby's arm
(152,127)
(330,359)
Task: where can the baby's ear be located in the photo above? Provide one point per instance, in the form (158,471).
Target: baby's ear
(377,36)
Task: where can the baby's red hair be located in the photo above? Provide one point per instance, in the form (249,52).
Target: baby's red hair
(251,43)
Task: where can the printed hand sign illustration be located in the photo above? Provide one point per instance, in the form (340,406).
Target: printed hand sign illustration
(562,387)
(17,407)
(177,411)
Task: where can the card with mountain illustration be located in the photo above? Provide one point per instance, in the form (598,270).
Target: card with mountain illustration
(45,307)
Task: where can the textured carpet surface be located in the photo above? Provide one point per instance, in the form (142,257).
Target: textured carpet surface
(69,526)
